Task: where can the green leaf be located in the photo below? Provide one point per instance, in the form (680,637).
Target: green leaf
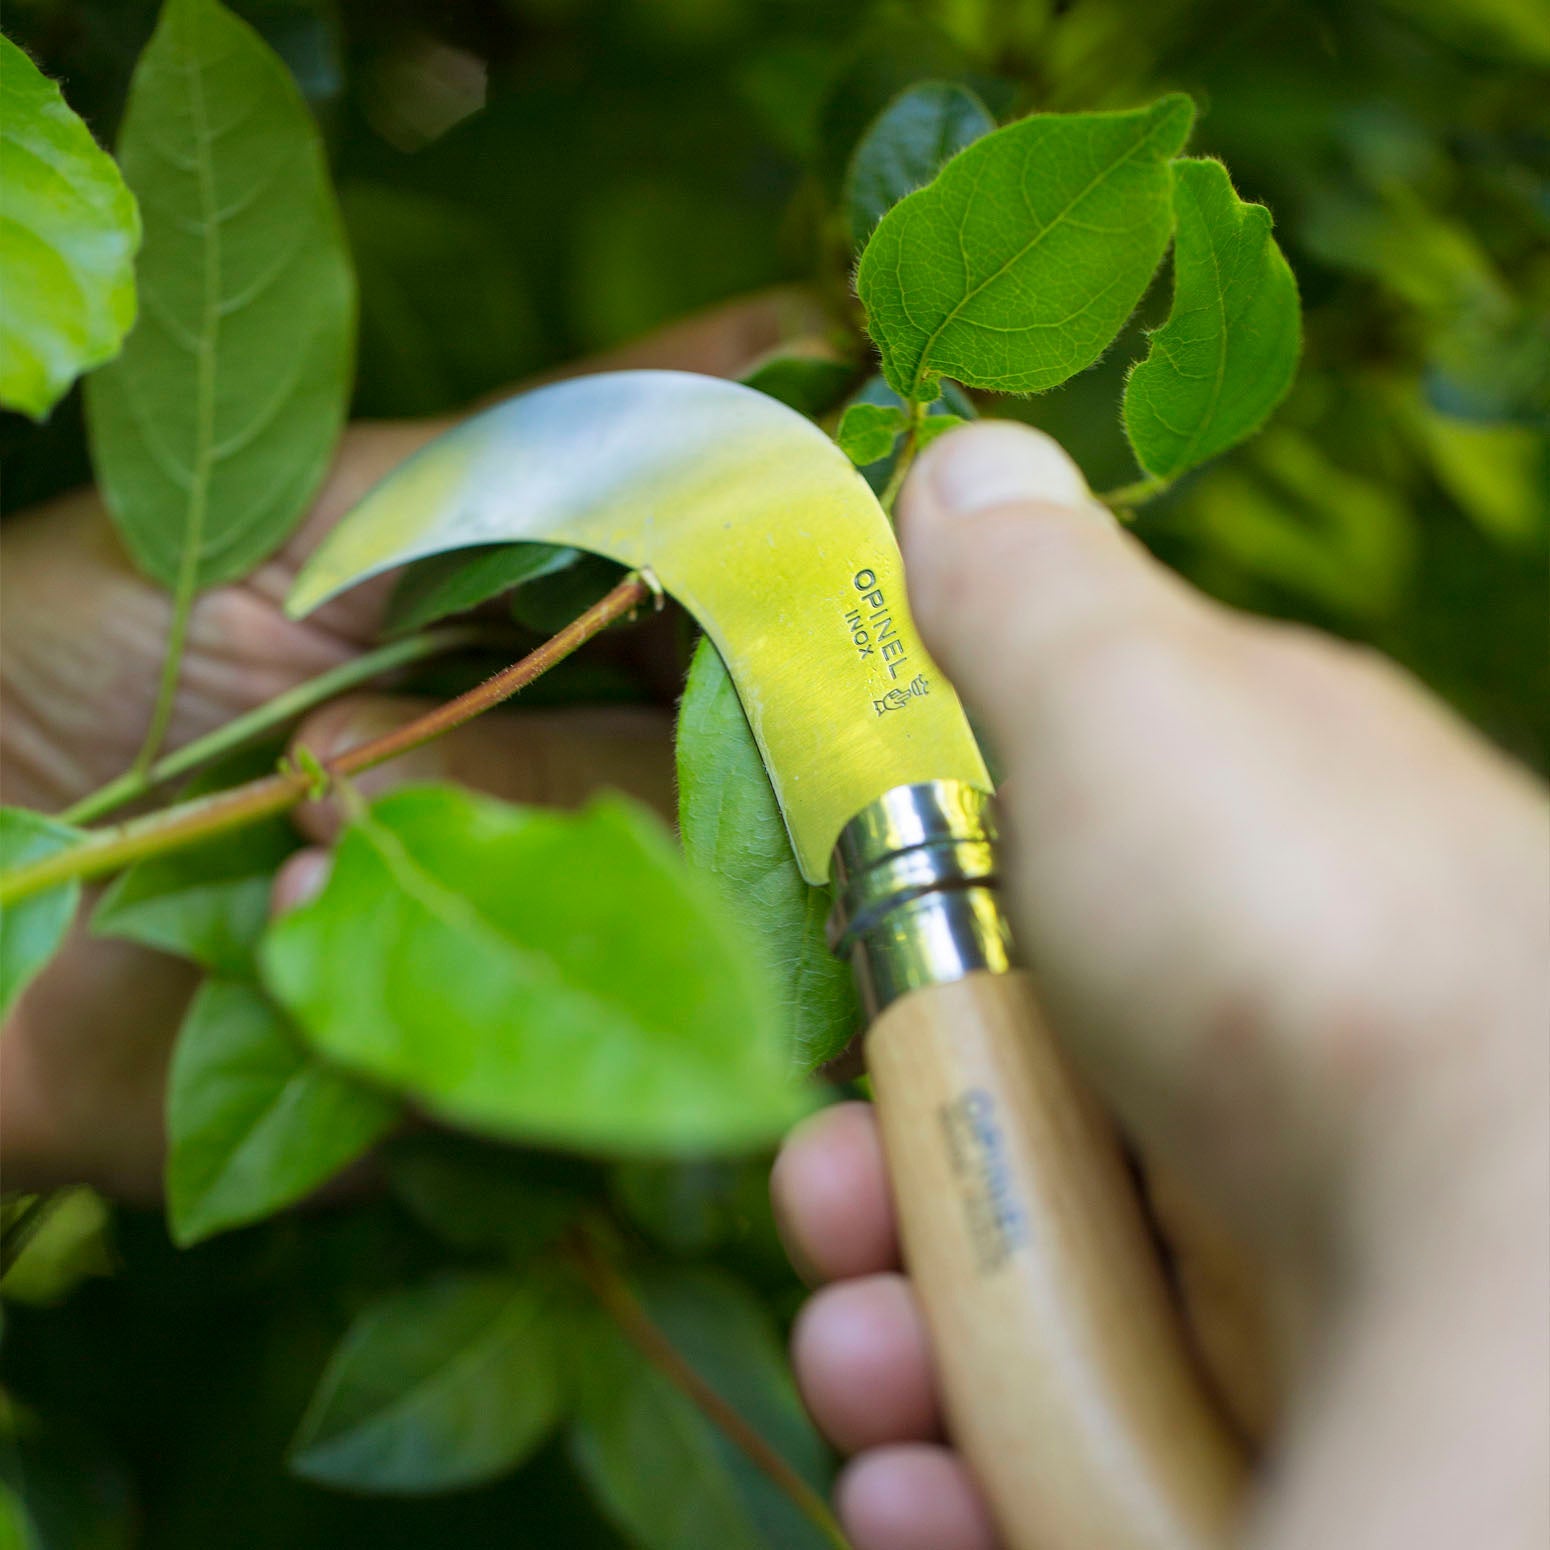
(209,903)
(543,976)
(732,828)
(695,1207)
(907,145)
(935,425)
(452,583)
(548,602)
(435,1387)
(1019,264)
(1228,352)
(31,931)
(481,1197)
(255,1120)
(809,383)
(868,431)
(67,242)
(658,1467)
(212,430)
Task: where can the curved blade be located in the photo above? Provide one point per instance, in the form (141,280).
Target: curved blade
(749,516)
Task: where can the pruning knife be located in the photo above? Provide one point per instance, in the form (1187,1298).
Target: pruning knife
(1066,1381)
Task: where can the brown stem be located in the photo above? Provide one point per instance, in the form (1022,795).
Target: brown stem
(624,1308)
(106,850)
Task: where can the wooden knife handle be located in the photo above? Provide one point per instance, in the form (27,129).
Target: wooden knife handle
(1066,1381)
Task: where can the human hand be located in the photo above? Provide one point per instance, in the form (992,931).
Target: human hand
(84,1055)
(1290,917)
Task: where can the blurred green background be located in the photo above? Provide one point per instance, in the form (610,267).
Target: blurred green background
(527,180)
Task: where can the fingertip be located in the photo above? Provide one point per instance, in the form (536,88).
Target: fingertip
(829,1189)
(300,880)
(912,1496)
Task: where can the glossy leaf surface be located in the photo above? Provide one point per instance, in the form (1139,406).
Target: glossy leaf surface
(1016,267)
(542,976)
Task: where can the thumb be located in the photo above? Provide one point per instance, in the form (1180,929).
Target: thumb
(1110,693)
(1012,563)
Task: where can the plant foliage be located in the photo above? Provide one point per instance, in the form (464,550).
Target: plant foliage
(536,1059)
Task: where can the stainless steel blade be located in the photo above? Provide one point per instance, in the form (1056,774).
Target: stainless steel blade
(750,517)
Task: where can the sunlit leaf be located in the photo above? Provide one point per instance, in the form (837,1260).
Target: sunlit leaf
(436,1387)
(1228,352)
(32,930)
(212,430)
(1016,267)
(67,242)
(732,828)
(659,1468)
(906,147)
(255,1120)
(538,975)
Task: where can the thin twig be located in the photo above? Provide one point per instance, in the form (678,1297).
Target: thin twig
(635,1324)
(290,705)
(174,828)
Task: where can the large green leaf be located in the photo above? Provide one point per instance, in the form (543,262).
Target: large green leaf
(436,1387)
(255,1120)
(541,976)
(1016,267)
(1228,352)
(732,827)
(68,233)
(659,1468)
(907,145)
(32,930)
(212,430)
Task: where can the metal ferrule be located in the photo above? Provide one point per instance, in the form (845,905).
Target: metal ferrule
(916,899)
